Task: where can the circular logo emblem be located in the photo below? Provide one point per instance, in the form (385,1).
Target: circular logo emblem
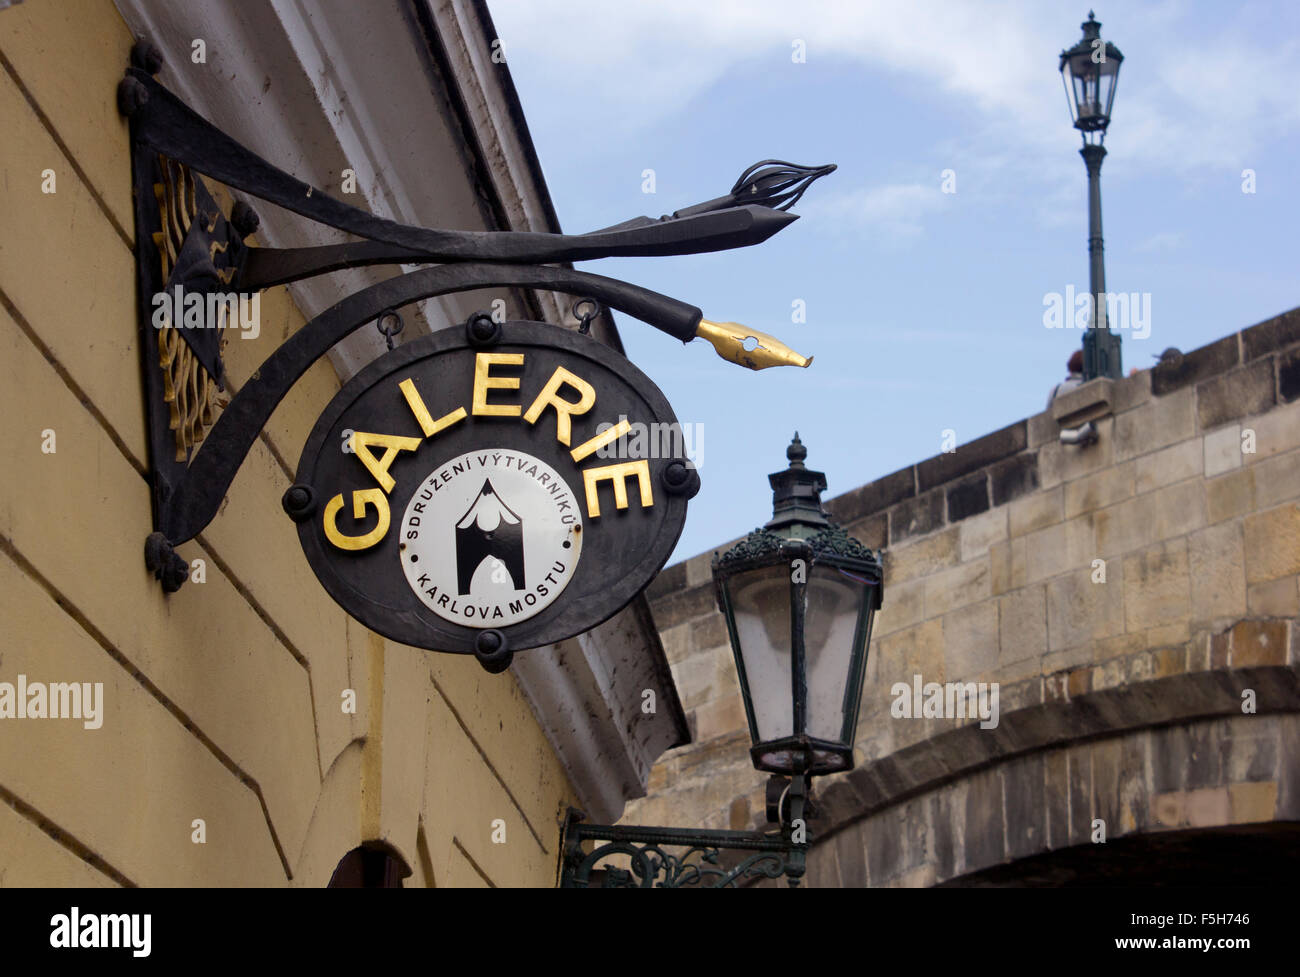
(491,538)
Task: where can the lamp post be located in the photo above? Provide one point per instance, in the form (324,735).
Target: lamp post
(799,595)
(1090,71)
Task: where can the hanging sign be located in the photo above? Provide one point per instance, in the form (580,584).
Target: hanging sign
(467,496)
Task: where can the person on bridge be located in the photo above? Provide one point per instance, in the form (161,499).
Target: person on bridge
(1074,379)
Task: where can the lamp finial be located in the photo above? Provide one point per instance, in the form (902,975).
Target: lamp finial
(796,452)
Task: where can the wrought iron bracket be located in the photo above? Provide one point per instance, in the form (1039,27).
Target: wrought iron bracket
(186,246)
(639,857)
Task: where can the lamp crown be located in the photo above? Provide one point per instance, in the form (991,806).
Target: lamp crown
(797,496)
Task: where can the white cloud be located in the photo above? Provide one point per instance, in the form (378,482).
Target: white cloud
(1190,96)
(641,60)
(894,210)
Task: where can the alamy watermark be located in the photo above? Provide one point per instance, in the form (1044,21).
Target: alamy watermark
(75,930)
(954,700)
(657,440)
(1124,310)
(210,310)
(53,700)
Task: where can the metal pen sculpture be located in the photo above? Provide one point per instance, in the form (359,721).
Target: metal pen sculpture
(184,244)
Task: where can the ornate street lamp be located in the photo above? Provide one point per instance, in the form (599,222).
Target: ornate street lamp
(798,595)
(1090,71)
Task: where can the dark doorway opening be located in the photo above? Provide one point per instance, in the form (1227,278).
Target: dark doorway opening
(369,867)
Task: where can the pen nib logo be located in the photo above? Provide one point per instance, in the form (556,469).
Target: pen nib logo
(489,529)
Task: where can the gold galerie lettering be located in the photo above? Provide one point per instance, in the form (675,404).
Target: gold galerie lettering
(365,445)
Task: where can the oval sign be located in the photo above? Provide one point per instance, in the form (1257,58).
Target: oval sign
(534,486)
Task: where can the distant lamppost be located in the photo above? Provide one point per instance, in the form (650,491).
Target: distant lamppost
(798,595)
(1090,70)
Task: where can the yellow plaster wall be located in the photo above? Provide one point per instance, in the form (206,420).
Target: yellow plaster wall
(222,701)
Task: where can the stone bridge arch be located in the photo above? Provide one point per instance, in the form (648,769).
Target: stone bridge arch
(1083,776)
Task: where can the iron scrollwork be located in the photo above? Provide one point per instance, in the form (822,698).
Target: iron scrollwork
(653,867)
(635,857)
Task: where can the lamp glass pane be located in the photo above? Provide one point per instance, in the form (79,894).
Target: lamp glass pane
(835,599)
(760,603)
(1106,83)
(1084,74)
(1069,93)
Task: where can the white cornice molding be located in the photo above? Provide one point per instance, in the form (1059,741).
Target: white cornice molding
(470,52)
(483,87)
(315,89)
(604,727)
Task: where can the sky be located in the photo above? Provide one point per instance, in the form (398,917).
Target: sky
(924,309)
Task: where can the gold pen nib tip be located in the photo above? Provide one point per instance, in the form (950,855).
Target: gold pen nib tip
(730,339)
